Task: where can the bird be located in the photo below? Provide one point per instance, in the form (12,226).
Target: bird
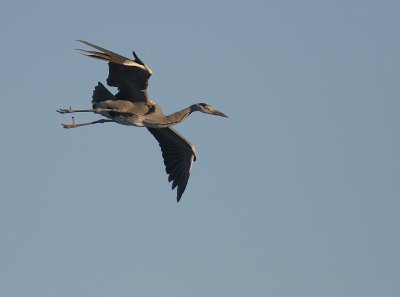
(132,106)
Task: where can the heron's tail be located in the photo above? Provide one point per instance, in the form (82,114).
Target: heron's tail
(100,93)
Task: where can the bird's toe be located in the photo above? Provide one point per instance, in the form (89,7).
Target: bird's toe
(62,111)
(68,126)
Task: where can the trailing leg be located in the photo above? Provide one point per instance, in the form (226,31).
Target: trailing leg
(96,110)
(75,125)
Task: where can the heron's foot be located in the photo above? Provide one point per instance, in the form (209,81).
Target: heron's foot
(63,110)
(70,126)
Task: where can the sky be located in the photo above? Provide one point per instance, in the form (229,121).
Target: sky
(296,194)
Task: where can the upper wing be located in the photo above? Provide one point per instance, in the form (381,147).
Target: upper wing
(178,154)
(130,76)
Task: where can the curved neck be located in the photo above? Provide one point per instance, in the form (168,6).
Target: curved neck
(162,121)
(179,116)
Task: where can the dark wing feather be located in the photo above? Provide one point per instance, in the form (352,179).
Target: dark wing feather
(132,82)
(178,154)
(130,76)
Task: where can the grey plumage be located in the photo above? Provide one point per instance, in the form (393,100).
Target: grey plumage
(131,105)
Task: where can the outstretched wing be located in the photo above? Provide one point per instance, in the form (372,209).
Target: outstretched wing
(178,154)
(130,76)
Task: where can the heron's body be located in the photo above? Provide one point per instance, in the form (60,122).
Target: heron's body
(132,106)
(140,114)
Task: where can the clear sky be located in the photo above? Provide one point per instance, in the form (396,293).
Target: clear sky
(296,194)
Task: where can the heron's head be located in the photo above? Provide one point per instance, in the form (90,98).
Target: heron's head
(206,108)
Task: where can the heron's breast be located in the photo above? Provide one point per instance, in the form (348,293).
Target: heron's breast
(131,120)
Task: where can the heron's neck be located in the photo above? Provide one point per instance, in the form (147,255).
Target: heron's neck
(179,116)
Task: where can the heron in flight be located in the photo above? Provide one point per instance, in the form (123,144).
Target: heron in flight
(132,106)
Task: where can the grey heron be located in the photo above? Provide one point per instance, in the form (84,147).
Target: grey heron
(132,106)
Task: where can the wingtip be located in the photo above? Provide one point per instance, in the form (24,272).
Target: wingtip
(81,41)
(82,52)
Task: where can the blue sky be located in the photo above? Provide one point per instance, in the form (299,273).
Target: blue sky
(296,194)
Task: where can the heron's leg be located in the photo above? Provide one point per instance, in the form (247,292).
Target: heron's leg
(96,110)
(74,125)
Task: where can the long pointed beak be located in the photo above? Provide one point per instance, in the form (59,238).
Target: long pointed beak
(218,113)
